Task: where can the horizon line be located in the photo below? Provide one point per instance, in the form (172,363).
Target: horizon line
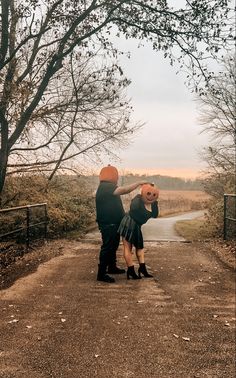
(185,174)
(164,173)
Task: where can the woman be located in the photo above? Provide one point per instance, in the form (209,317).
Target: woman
(143,207)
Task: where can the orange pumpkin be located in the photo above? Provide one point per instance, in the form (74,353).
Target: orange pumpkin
(149,193)
(109,173)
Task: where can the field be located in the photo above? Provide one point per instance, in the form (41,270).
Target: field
(179,201)
(176,201)
(193,230)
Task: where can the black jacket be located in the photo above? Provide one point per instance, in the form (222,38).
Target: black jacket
(138,211)
(109,207)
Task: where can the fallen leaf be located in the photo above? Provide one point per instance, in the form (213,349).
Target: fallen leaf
(13,321)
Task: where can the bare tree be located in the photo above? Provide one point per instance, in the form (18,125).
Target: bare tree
(83,111)
(217,116)
(37,37)
(217,109)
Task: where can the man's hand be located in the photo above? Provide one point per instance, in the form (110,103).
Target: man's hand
(128,188)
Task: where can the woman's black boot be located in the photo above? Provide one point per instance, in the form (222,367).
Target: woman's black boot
(131,273)
(143,270)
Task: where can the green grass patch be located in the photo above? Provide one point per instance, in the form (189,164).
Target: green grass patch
(192,230)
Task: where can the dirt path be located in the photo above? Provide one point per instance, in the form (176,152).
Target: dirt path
(60,322)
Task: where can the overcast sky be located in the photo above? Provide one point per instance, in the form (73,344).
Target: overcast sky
(169,143)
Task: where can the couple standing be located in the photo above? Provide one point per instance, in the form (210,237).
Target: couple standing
(113,223)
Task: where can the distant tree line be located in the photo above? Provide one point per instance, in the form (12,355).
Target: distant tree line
(162,182)
(169,183)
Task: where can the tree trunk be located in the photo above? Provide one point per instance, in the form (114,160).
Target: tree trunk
(3,153)
(3,170)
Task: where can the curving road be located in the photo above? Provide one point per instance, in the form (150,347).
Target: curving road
(163,229)
(160,229)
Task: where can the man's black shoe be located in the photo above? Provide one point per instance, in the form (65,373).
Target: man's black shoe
(115,270)
(105,278)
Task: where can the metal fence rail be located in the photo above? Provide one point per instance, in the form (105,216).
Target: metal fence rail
(25,223)
(229,216)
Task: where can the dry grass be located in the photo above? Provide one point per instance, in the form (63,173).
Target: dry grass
(176,201)
(193,230)
(193,195)
(179,201)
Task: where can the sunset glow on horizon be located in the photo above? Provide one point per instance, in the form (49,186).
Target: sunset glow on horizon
(191,174)
(172,172)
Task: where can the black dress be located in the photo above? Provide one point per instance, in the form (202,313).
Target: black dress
(130,226)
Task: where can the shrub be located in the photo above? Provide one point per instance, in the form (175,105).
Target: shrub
(69,199)
(216,187)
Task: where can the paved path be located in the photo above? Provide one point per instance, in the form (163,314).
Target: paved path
(160,229)
(59,322)
(163,229)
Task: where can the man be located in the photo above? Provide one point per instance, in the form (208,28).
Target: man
(110,211)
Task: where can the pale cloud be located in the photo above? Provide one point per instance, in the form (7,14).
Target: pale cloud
(170,140)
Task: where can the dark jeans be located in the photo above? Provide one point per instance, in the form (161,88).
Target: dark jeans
(110,244)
